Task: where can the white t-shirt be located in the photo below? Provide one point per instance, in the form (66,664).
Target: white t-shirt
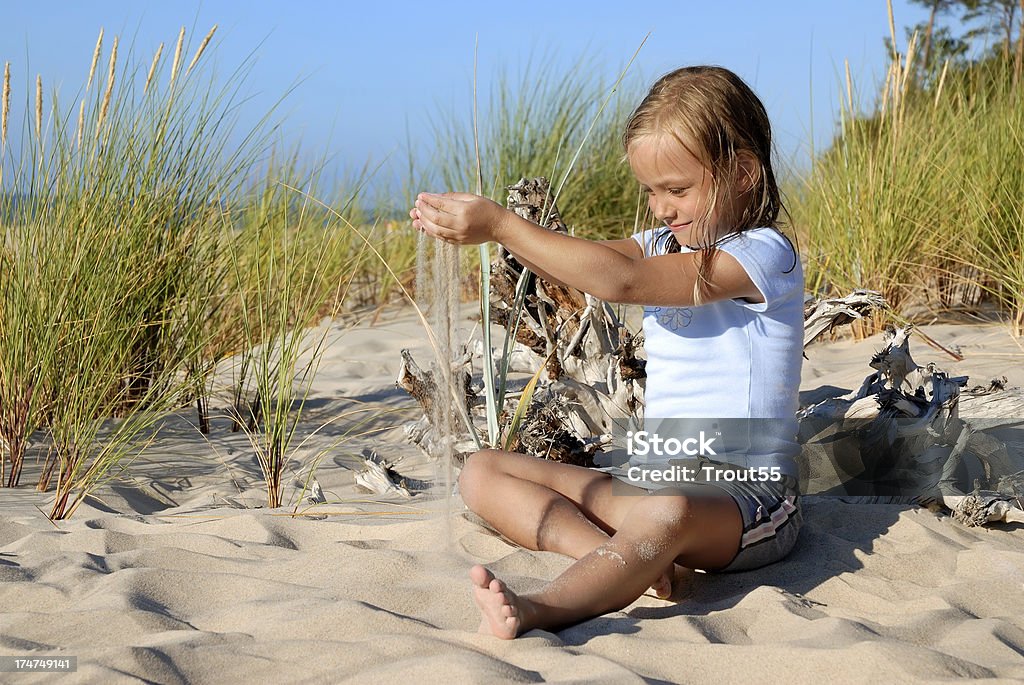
(733,358)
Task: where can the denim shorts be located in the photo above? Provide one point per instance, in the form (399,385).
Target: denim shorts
(770,511)
(771,521)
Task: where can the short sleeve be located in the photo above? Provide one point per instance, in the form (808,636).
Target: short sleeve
(772,264)
(648,240)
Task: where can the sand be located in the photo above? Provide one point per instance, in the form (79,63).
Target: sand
(176,573)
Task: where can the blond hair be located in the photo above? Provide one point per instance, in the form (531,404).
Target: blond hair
(716,117)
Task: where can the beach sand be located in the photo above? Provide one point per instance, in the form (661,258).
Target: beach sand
(177,573)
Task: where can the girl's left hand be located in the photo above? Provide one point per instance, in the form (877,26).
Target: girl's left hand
(459,218)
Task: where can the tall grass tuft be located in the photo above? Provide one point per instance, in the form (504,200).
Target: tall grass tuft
(109,231)
(533,126)
(290,264)
(529,124)
(920,198)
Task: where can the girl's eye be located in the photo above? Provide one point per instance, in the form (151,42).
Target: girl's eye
(676,191)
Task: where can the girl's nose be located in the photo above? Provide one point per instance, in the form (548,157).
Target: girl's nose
(662,211)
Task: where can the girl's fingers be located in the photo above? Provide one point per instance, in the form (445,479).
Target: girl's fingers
(436,214)
(414,214)
(434,203)
(459,197)
(449,203)
(433,228)
(442,216)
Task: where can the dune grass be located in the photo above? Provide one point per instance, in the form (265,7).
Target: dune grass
(290,262)
(920,198)
(118,303)
(84,207)
(534,125)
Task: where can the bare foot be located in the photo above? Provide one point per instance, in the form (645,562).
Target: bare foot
(662,587)
(498,605)
(676,582)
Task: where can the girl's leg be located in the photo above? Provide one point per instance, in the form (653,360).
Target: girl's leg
(544,505)
(697,527)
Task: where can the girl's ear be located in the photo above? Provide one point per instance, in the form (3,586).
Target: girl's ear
(748,171)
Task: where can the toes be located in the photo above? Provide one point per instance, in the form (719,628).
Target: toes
(663,586)
(481,576)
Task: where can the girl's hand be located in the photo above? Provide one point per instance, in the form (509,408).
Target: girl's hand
(459,218)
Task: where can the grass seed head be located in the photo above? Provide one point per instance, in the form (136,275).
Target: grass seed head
(7,103)
(95,59)
(39,106)
(81,123)
(177,56)
(110,88)
(892,27)
(152,67)
(942,80)
(202,47)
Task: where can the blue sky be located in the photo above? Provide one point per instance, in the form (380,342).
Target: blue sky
(370,70)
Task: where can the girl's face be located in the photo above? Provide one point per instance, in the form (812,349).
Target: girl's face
(678,187)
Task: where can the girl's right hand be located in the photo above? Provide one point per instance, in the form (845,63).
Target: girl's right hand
(460,218)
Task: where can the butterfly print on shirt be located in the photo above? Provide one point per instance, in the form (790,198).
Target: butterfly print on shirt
(672,318)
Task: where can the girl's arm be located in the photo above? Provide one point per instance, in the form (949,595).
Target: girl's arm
(628,247)
(595,268)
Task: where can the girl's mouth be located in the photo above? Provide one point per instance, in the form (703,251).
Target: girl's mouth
(676,227)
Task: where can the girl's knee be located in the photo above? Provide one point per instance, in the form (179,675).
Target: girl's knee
(705,529)
(474,475)
(672,512)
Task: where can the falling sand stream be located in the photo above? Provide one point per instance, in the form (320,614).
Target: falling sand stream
(437,289)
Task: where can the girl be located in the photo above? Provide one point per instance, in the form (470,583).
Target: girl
(722,291)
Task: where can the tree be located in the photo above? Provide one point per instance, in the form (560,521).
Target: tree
(991,22)
(935,8)
(1018,62)
(998,19)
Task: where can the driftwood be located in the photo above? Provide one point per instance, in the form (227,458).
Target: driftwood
(379,477)
(824,315)
(316,493)
(423,387)
(589,357)
(546,431)
(900,438)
